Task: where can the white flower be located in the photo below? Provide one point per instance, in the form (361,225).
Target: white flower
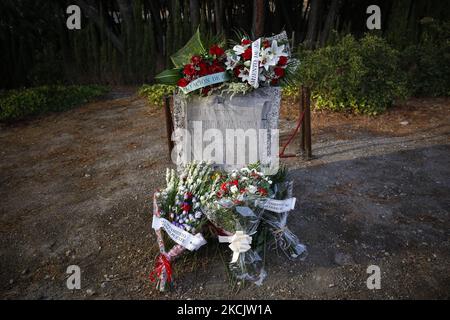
(240,49)
(232,61)
(234,189)
(269,56)
(198,214)
(252,189)
(244,74)
(278,51)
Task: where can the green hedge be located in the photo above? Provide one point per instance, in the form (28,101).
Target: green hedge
(362,76)
(427,63)
(155,93)
(20,104)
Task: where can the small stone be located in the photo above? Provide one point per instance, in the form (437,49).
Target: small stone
(11,281)
(90,292)
(331,285)
(343,259)
(404,123)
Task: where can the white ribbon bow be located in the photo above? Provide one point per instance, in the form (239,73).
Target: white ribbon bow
(239,243)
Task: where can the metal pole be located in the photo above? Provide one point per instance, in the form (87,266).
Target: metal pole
(302,128)
(308,123)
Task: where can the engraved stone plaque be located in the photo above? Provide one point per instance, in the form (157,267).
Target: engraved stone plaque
(230,131)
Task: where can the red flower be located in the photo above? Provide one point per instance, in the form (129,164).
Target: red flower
(243,190)
(247,54)
(182,82)
(216,50)
(203,69)
(262,191)
(216,67)
(205,90)
(237,71)
(224,186)
(234,182)
(219,194)
(189,70)
(279,72)
(196,59)
(274,82)
(185,206)
(245,42)
(266,43)
(282,61)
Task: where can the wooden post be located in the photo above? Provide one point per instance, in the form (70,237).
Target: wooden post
(307,123)
(302,128)
(169,124)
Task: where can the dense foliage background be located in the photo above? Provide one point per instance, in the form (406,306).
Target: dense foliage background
(125,41)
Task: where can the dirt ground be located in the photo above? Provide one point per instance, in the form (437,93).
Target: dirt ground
(76,188)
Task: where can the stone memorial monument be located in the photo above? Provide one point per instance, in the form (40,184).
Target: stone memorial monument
(230,131)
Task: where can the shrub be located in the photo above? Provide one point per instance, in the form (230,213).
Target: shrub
(428,63)
(155,93)
(291,91)
(353,75)
(19,104)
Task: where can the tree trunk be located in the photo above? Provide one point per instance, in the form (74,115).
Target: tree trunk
(330,21)
(194,10)
(314,23)
(92,12)
(218,15)
(258,18)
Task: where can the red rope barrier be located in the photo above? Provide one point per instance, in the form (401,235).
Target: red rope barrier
(299,124)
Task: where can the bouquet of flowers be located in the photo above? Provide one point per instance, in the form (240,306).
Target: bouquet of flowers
(177,211)
(246,66)
(179,202)
(235,190)
(270,61)
(242,207)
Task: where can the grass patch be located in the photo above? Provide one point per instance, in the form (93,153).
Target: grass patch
(24,103)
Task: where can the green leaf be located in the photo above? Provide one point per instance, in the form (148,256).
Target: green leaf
(193,47)
(169,76)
